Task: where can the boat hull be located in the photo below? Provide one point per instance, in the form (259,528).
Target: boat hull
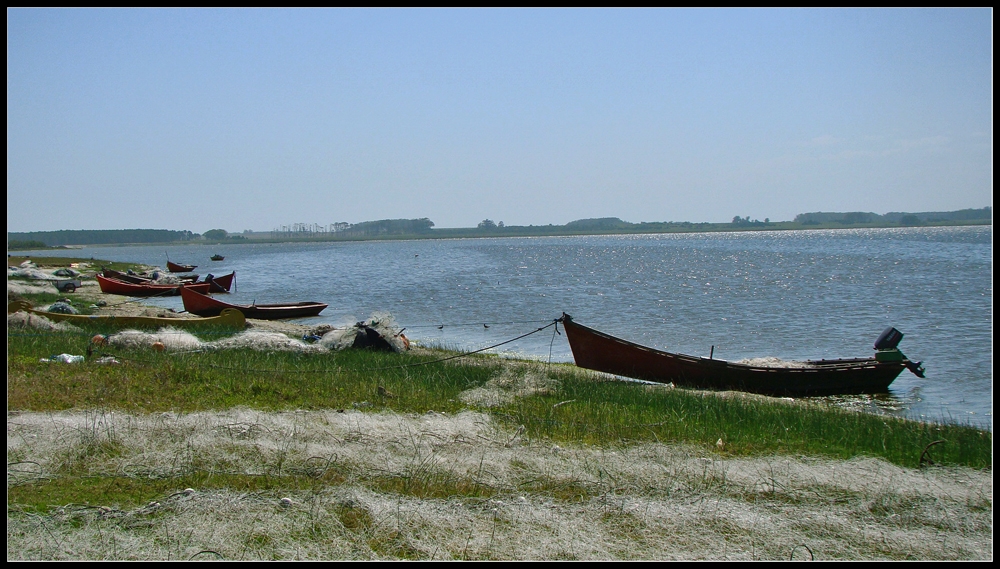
(201,304)
(136,279)
(114,286)
(175,268)
(216,284)
(605,353)
(221,284)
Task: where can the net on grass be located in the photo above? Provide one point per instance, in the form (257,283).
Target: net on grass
(538,501)
(29,320)
(178,340)
(28,287)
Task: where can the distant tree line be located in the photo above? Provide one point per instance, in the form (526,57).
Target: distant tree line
(18,245)
(387,227)
(901,218)
(737,220)
(221,235)
(101,236)
(423,228)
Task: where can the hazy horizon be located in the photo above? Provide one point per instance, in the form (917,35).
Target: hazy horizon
(257,118)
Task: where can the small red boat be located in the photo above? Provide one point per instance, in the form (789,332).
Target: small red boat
(175,268)
(220,284)
(115,286)
(197,302)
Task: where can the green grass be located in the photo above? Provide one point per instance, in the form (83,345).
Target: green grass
(54,262)
(574,408)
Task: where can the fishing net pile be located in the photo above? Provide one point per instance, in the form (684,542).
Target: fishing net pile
(378,333)
(158,277)
(30,270)
(774,362)
(39,281)
(29,320)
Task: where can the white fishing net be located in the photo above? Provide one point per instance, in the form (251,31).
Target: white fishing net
(28,287)
(29,320)
(177,340)
(774,362)
(655,501)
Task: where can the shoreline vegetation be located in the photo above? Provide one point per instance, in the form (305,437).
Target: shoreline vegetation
(254,445)
(423,228)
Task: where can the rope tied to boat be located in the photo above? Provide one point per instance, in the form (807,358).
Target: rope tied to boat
(463,354)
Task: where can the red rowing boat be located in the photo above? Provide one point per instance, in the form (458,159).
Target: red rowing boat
(139,279)
(216,284)
(220,284)
(115,286)
(202,304)
(603,352)
(175,268)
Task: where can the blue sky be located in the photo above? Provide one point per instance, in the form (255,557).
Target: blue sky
(252,119)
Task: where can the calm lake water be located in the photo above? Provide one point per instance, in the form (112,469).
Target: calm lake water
(793,294)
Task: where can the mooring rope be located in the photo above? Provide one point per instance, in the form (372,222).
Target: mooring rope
(463,354)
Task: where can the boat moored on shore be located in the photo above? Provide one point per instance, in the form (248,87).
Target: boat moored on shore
(605,353)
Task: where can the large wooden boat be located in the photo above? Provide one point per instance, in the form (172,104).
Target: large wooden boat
(216,284)
(227,318)
(115,286)
(176,268)
(202,304)
(605,353)
(139,279)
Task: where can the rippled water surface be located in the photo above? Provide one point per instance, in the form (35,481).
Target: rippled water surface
(793,295)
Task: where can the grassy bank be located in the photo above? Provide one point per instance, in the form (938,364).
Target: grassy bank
(308,454)
(566,405)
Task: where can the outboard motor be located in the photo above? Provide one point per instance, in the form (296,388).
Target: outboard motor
(889,339)
(885,346)
(886,351)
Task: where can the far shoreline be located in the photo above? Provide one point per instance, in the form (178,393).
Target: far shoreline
(520,231)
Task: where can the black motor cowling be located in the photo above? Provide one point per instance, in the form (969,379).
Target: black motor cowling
(889,339)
